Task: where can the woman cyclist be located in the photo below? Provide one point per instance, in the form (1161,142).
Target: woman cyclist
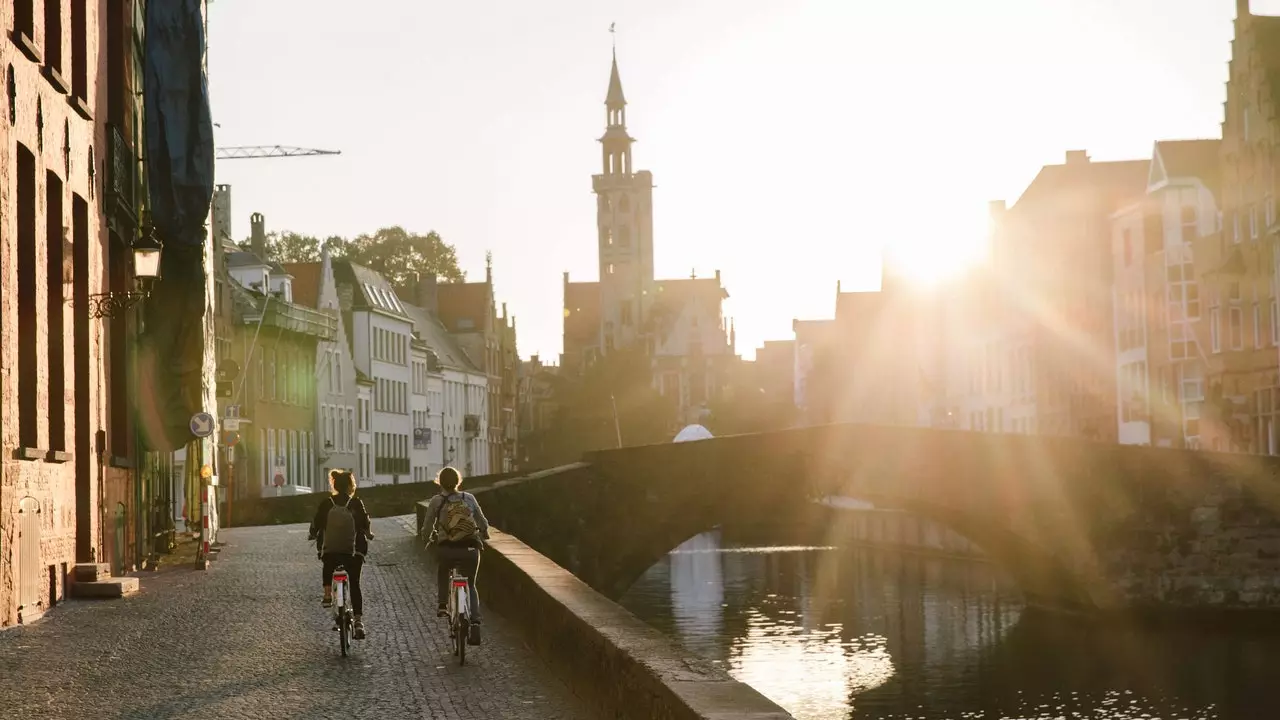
(459,529)
(342,534)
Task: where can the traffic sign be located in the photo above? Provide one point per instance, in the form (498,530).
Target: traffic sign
(230,438)
(202,424)
(230,424)
(278,477)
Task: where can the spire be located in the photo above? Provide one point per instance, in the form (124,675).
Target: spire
(614,100)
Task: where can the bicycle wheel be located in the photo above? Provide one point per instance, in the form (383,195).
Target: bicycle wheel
(464,627)
(344,628)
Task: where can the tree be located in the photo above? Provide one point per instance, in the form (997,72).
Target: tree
(398,255)
(392,251)
(291,247)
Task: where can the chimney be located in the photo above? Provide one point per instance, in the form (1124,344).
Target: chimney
(1077,157)
(426,293)
(258,235)
(837,287)
(717,277)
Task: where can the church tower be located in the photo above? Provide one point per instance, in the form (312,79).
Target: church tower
(624,223)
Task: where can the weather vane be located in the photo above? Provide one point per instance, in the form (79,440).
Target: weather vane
(613,33)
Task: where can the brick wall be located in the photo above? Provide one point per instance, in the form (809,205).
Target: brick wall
(41,118)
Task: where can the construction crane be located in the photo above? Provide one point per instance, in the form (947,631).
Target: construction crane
(245,152)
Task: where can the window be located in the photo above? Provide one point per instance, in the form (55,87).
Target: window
(624,236)
(1269,211)
(1275,322)
(53,41)
(1215,330)
(1236,328)
(351,428)
(24,19)
(1190,230)
(610,269)
(340,441)
(1253,222)
(1257,325)
(28,319)
(55,242)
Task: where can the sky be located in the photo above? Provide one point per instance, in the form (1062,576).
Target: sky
(791,141)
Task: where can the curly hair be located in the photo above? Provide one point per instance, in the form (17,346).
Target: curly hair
(342,482)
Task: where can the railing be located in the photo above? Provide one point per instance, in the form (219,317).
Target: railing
(122,169)
(391,466)
(300,319)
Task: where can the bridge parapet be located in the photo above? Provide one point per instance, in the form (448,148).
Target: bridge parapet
(1079,524)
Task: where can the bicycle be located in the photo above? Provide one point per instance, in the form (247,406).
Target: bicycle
(344,617)
(460,627)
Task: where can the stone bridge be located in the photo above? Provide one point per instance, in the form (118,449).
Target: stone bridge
(1079,525)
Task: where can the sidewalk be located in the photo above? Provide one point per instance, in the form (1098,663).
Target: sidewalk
(248,639)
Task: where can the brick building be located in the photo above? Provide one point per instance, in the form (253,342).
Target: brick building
(470,313)
(65,379)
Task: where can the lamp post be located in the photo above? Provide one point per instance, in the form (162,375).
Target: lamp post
(146,270)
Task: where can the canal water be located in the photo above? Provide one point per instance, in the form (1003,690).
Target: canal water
(833,633)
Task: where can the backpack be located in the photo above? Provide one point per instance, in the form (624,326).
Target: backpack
(455,522)
(340,529)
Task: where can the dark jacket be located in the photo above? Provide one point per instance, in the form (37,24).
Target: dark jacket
(357,511)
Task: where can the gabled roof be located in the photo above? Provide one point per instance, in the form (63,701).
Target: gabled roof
(306,282)
(241,258)
(1188,159)
(1116,184)
(465,301)
(371,290)
(436,337)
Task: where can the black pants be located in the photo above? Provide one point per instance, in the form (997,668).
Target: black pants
(352,563)
(467,561)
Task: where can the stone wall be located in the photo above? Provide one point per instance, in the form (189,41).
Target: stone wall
(619,665)
(380,501)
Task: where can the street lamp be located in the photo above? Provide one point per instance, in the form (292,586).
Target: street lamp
(452,453)
(146,270)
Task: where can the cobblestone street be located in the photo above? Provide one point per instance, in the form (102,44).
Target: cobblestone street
(248,639)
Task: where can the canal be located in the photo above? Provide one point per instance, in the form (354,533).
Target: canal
(832,633)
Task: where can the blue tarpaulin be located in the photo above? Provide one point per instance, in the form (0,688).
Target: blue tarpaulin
(179,158)
(179,127)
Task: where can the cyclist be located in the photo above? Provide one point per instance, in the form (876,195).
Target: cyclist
(459,529)
(342,534)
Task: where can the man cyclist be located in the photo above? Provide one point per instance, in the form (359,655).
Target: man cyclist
(458,531)
(342,534)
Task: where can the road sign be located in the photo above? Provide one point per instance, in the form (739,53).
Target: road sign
(277,478)
(202,424)
(230,424)
(230,438)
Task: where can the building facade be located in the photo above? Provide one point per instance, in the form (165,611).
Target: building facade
(1167,331)
(380,337)
(276,336)
(337,396)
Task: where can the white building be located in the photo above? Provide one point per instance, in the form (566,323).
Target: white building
(457,397)
(380,336)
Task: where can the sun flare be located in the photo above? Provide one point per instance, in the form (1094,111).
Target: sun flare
(930,258)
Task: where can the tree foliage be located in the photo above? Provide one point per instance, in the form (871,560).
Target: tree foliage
(392,251)
(585,410)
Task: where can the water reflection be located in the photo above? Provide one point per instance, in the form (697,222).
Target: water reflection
(832,633)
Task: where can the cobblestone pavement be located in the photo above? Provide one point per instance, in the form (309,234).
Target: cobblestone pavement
(248,639)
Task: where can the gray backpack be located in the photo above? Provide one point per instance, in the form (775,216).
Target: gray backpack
(340,529)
